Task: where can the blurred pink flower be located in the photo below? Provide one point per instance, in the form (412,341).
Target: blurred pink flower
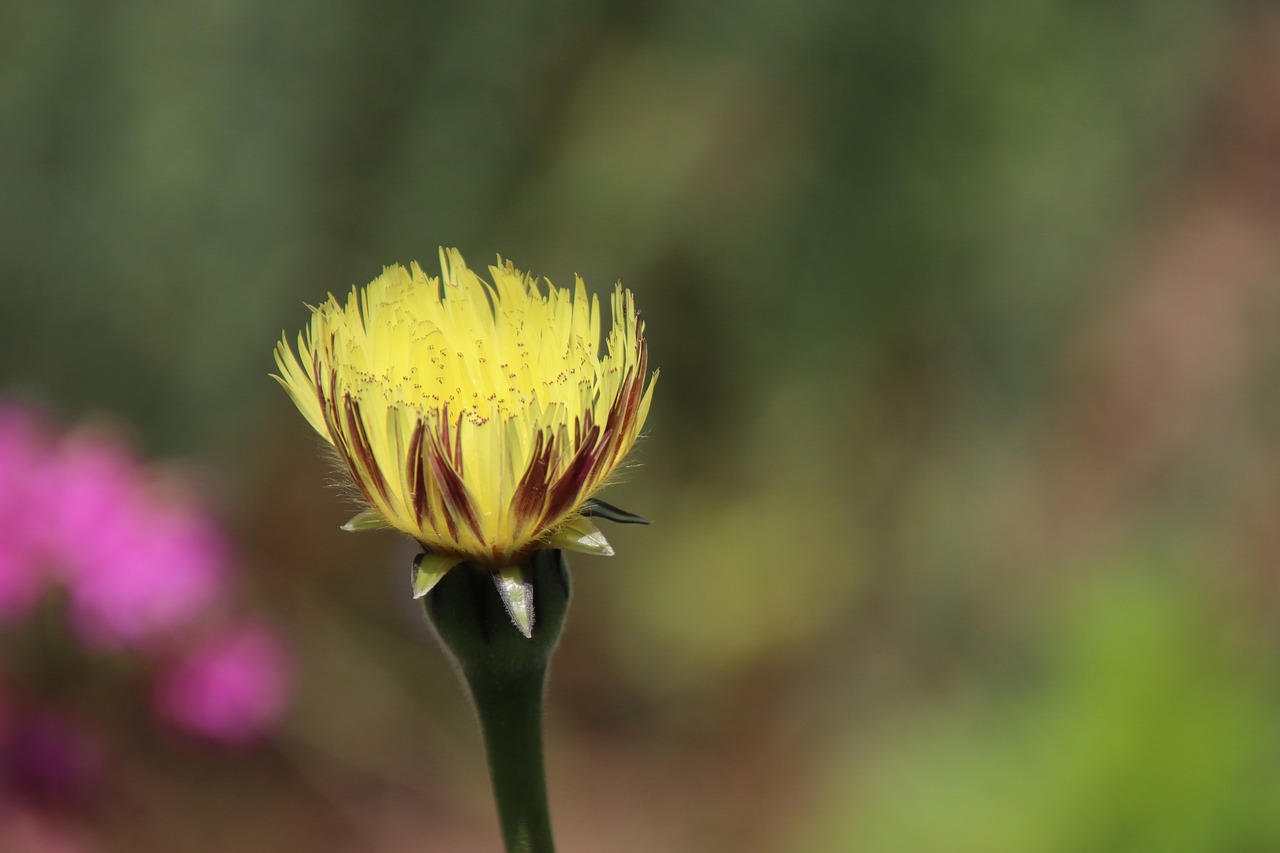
(144,568)
(137,563)
(23,574)
(92,483)
(232,688)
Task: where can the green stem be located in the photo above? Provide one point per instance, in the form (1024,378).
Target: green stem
(506,673)
(511,717)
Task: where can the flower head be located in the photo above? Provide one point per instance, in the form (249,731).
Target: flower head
(477,416)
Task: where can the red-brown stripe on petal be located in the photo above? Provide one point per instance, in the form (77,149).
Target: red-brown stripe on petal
(450,522)
(415,477)
(642,369)
(572,487)
(531,492)
(341,445)
(610,445)
(442,427)
(632,395)
(363,450)
(457,447)
(569,485)
(341,440)
(344,455)
(331,419)
(616,421)
(618,408)
(457,498)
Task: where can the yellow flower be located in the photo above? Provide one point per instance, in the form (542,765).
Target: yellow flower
(477,417)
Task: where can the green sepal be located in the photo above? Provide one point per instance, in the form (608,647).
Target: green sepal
(580,535)
(369,519)
(517,597)
(428,569)
(596,508)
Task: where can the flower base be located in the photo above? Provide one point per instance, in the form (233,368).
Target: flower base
(505,673)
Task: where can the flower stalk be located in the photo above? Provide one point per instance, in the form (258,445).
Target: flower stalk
(506,671)
(481,418)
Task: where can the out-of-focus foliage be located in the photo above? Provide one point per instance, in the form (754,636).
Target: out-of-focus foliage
(1148,728)
(955,305)
(788,182)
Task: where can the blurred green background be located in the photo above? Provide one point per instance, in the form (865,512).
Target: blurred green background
(965,462)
